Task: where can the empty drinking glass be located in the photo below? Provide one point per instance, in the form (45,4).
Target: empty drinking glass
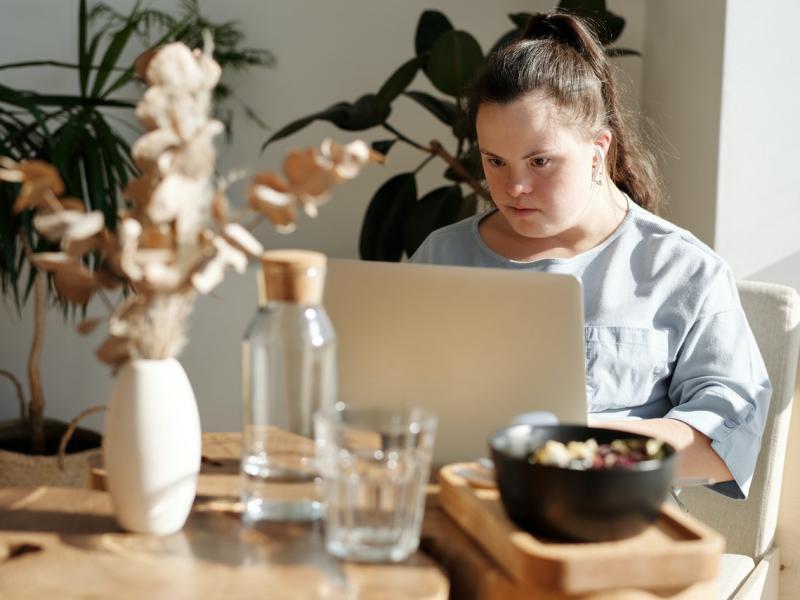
(375,464)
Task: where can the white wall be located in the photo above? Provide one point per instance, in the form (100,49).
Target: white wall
(681,95)
(758,178)
(327,51)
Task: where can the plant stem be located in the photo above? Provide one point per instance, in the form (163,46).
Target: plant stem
(421,165)
(439,151)
(407,140)
(20,393)
(36,407)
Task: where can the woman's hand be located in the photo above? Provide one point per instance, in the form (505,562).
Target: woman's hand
(696,458)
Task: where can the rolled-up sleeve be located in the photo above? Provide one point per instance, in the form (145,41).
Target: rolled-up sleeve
(721,388)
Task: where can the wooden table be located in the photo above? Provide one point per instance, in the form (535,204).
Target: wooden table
(82,553)
(85,554)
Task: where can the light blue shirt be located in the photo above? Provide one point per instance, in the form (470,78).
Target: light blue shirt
(666,335)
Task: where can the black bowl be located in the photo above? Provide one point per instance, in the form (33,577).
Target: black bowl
(567,504)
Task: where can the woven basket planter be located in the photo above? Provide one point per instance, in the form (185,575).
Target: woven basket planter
(27,470)
(19,468)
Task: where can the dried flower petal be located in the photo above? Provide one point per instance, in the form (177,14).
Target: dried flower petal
(308,172)
(87,326)
(220,207)
(160,276)
(142,62)
(70,203)
(53,225)
(210,68)
(213,272)
(243,240)
(149,148)
(75,283)
(129,231)
(86,226)
(196,157)
(189,114)
(173,192)
(159,237)
(348,160)
(114,351)
(51,261)
(78,247)
(40,182)
(106,277)
(174,65)
(138,190)
(267,195)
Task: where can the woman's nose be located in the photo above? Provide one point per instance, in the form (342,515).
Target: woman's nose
(518,186)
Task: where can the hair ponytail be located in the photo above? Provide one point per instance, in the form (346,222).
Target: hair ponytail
(560,57)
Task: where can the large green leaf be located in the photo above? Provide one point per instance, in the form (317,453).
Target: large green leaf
(383,146)
(444,110)
(520,19)
(435,209)
(368,111)
(93,170)
(399,81)
(112,54)
(454,59)
(72,101)
(431,25)
(471,161)
(382,231)
(606,25)
(83,65)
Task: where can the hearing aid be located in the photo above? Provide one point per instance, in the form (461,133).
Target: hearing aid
(599,166)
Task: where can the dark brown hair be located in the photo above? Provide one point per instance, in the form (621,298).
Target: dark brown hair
(560,58)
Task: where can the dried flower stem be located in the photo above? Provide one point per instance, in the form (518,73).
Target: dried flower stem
(73,425)
(20,392)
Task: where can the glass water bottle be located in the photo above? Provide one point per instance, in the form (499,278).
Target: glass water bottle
(289,372)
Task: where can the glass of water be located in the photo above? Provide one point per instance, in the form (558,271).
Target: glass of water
(375,465)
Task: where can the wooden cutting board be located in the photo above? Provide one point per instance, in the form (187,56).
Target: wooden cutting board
(674,553)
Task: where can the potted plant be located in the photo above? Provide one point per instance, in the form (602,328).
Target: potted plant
(80,137)
(397,220)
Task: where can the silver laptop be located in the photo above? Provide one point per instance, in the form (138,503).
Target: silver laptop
(476,346)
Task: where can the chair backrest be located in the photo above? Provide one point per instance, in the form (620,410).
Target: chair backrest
(773,312)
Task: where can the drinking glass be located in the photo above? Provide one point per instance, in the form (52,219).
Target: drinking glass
(375,464)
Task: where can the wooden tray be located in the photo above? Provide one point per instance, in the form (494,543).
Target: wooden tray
(675,552)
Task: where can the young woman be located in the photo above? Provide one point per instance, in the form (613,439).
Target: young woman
(669,351)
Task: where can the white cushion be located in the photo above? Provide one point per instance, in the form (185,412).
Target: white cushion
(733,569)
(749,525)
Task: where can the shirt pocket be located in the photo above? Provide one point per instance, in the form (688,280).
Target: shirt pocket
(622,365)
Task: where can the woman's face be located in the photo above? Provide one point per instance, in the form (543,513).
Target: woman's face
(539,171)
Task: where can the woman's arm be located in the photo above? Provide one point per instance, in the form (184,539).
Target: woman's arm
(696,457)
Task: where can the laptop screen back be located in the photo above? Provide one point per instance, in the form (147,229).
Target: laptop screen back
(475,346)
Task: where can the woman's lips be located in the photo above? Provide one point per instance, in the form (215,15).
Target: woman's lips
(522,211)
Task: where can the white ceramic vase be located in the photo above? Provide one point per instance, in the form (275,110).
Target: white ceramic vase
(151,446)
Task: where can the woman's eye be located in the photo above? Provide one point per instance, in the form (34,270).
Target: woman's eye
(540,162)
(495,162)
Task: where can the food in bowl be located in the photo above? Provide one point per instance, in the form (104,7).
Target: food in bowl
(583,455)
(578,505)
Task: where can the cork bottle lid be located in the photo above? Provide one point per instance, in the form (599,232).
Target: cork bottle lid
(292,276)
